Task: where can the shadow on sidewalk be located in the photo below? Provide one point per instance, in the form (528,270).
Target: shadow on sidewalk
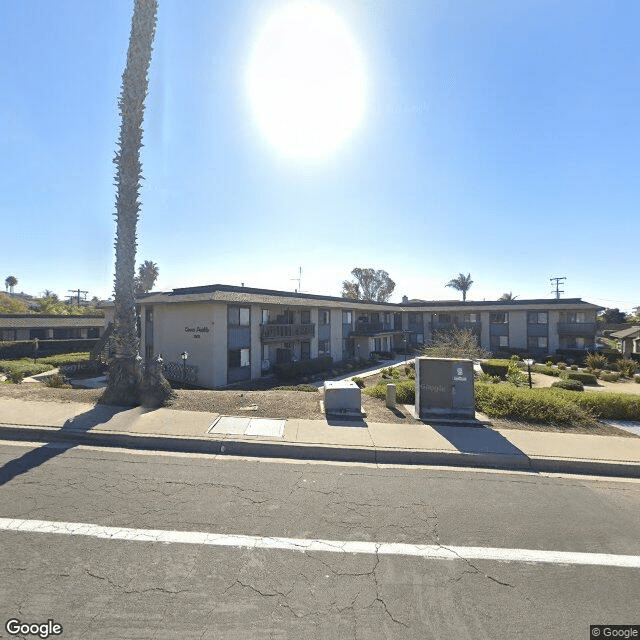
(81,423)
(477,440)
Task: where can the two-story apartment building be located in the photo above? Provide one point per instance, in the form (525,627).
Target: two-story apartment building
(234,333)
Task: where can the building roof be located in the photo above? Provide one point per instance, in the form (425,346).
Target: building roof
(231,293)
(631,332)
(37,320)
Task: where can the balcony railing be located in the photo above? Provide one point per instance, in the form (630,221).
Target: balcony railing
(371,328)
(576,328)
(475,327)
(278,332)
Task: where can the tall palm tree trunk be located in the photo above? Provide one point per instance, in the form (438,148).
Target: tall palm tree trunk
(125,370)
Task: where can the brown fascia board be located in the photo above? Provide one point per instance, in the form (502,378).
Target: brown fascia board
(231,293)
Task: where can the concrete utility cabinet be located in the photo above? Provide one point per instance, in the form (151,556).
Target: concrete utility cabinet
(342,398)
(444,389)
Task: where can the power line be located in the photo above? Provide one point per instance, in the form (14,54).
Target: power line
(76,295)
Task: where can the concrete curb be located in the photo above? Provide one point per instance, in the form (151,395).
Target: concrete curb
(320,452)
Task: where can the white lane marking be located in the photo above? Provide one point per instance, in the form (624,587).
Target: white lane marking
(431,551)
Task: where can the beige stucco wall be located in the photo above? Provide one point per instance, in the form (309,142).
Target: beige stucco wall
(336,333)
(190,327)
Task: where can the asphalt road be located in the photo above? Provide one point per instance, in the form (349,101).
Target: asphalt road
(121,588)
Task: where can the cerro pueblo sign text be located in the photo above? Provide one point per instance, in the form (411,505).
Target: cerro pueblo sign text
(196,331)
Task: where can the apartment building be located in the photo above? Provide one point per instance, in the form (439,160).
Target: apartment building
(231,334)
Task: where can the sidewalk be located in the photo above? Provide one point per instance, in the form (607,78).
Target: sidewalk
(187,431)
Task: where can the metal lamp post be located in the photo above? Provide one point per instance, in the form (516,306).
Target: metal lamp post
(529,362)
(184,355)
(35,349)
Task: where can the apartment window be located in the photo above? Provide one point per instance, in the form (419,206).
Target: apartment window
(377,345)
(148,315)
(504,341)
(239,316)
(305,316)
(500,317)
(537,342)
(387,318)
(265,316)
(471,318)
(324,316)
(238,358)
(305,350)
(323,348)
(537,317)
(442,318)
(347,317)
(573,317)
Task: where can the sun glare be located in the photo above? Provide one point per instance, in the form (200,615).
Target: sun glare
(305,81)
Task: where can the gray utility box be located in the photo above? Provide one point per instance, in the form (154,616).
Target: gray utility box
(444,388)
(342,398)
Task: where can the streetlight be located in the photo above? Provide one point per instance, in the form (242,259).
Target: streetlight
(529,362)
(184,355)
(35,349)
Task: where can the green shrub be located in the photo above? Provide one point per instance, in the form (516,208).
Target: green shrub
(626,367)
(309,388)
(494,367)
(56,381)
(359,381)
(636,378)
(562,365)
(66,358)
(405,391)
(24,349)
(546,369)
(15,376)
(610,376)
(595,360)
(574,367)
(609,405)
(25,366)
(295,370)
(585,378)
(569,385)
(549,406)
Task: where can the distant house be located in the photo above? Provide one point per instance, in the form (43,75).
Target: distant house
(629,340)
(234,333)
(28,326)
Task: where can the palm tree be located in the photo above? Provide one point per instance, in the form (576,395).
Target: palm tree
(10,282)
(124,372)
(147,275)
(507,297)
(461,283)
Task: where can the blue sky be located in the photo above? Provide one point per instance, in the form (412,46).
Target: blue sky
(498,138)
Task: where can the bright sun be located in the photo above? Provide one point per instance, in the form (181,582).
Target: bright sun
(306,81)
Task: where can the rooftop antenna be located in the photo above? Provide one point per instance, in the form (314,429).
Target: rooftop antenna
(298,279)
(558,291)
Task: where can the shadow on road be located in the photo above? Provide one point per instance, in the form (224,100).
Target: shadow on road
(81,423)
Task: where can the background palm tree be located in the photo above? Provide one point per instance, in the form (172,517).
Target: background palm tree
(507,297)
(125,370)
(461,283)
(147,275)
(10,282)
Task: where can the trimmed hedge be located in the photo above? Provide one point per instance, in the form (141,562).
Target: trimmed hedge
(548,371)
(405,391)
(585,378)
(24,367)
(294,370)
(548,406)
(495,367)
(609,405)
(570,385)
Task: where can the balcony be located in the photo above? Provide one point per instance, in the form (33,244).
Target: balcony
(576,328)
(474,327)
(371,328)
(279,332)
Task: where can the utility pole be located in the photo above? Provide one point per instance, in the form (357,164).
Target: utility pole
(77,293)
(558,291)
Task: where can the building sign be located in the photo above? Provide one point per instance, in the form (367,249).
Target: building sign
(196,331)
(459,377)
